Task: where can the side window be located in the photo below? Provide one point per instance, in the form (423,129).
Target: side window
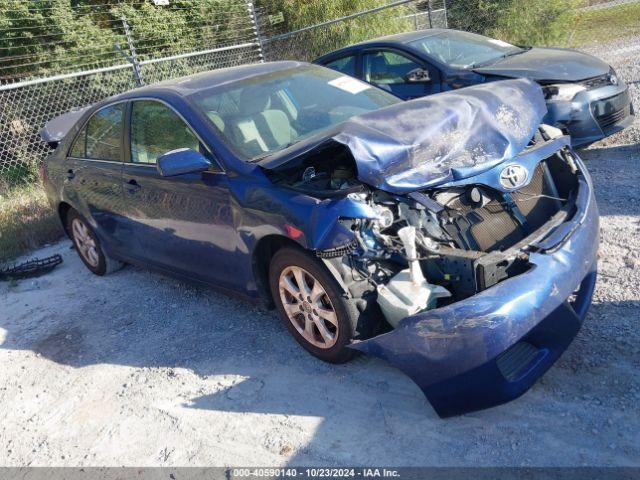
(156,130)
(102,135)
(346,65)
(387,68)
(79,149)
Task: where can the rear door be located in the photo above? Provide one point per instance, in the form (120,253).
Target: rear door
(182,223)
(388,69)
(94,172)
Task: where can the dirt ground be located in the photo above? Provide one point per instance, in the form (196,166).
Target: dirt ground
(139,369)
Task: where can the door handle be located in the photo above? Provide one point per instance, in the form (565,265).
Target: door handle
(71,174)
(132,186)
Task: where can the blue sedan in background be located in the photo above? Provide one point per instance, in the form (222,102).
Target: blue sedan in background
(585,97)
(454,236)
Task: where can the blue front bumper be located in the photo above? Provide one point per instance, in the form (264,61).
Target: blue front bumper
(491,347)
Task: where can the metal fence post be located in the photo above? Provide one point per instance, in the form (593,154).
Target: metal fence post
(256,27)
(446,19)
(133,57)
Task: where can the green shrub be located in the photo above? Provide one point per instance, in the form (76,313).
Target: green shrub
(537,22)
(27,221)
(478,16)
(20,174)
(534,22)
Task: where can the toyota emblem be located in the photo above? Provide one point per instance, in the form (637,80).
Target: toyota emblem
(513,176)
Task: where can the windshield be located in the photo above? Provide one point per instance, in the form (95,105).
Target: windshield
(267,113)
(463,49)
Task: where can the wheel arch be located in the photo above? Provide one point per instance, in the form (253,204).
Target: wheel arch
(63,211)
(263,252)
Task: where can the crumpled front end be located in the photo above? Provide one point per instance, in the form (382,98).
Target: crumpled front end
(492,346)
(444,137)
(461,243)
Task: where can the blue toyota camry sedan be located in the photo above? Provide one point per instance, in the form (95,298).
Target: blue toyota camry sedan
(585,97)
(454,236)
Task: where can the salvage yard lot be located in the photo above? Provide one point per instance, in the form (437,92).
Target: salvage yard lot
(140,369)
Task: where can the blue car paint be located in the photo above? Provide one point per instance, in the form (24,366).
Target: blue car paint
(242,198)
(449,352)
(545,65)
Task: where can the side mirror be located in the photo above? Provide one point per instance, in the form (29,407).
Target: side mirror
(418,75)
(181,161)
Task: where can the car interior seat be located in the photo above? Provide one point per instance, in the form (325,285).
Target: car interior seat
(258,128)
(216,119)
(381,72)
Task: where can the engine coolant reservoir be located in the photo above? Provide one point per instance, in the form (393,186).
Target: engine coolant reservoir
(408,292)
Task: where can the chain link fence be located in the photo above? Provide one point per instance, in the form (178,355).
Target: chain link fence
(309,42)
(46,71)
(67,57)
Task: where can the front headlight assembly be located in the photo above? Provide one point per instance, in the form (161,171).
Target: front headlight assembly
(562,91)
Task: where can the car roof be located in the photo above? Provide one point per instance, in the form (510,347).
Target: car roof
(388,40)
(189,84)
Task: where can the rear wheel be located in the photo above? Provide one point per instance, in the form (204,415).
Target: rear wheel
(88,246)
(312,305)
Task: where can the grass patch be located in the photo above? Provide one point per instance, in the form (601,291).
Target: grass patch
(607,24)
(26,221)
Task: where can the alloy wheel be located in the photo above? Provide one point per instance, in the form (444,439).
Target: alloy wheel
(308,307)
(85,243)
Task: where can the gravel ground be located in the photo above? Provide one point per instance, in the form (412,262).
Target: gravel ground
(139,369)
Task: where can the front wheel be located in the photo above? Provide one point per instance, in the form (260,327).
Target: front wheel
(312,305)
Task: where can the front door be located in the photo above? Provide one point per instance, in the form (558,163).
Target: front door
(182,223)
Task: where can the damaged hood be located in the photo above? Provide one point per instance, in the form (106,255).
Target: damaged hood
(548,65)
(432,140)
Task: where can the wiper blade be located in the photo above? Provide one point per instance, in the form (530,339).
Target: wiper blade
(516,52)
(494,60)
(268,154)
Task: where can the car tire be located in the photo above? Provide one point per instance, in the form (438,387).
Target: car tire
(88,246)
(320,303)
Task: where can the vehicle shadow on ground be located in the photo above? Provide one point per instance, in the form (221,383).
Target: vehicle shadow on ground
(398,413)
(158,322)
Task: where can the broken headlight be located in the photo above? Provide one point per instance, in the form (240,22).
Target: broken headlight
(562,91)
